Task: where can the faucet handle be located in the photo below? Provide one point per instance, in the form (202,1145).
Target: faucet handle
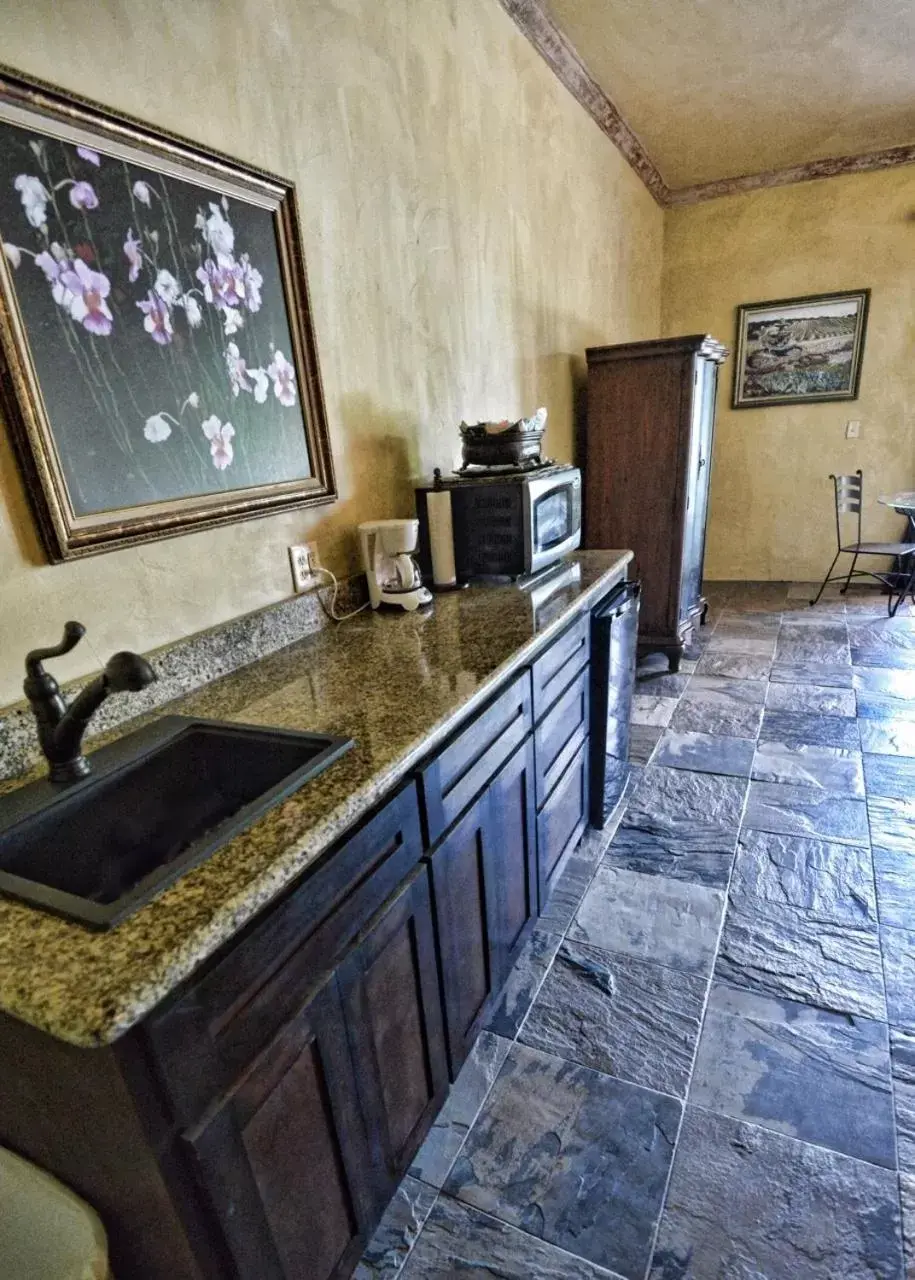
(73,633)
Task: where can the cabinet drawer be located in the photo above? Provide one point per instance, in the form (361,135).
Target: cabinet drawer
(466,765)
(230,1012)
(560,733)
(561,821)
(564,658)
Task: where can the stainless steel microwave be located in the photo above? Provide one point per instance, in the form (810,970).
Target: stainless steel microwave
(501,526)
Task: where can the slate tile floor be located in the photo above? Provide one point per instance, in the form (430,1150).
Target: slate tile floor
(703,1067)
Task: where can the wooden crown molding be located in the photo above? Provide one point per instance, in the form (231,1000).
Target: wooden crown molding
(559,53)
(564,60)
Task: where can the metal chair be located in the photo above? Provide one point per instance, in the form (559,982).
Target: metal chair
(849,498)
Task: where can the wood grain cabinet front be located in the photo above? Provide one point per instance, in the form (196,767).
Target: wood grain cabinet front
(485,889)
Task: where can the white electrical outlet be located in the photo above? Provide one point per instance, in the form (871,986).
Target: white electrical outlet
(303,560)
(852,429)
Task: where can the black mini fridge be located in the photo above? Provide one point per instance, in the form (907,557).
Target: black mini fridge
(614,633)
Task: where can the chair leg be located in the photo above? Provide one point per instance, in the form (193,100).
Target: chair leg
(826,579)
(854,561)
(908,589)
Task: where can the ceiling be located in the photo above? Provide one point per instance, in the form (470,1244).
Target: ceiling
(715,89)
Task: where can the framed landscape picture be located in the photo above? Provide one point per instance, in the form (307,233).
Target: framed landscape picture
(800,350)
(159,370)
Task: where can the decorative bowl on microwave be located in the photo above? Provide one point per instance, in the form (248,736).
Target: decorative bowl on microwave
(503,444)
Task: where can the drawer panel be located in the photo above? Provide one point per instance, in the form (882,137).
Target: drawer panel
(469,762)
(564,658)
(560,733)
(561,821)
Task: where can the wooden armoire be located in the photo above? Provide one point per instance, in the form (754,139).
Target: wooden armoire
(646,464)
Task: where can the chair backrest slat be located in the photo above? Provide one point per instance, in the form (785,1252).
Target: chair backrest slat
(849,496)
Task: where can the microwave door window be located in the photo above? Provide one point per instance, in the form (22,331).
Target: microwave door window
(552,520)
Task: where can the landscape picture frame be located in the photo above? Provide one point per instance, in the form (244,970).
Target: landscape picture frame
(800,350)
(158,366)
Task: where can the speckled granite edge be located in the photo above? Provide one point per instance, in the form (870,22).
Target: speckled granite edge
(89,989)
(184,666)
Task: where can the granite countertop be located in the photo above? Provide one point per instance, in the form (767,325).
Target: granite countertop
(397,684)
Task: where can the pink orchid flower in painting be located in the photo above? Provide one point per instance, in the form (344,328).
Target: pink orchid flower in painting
(252,281)
(133,255)
(143,192)
(261,385)
(157,428)
(238,370)
(157,319)
(86,153)
(217,230)
(283,375)
(192,311)
(167,287)
(82,196)
(89,289)
(13,254)
(220,436)
(34,196)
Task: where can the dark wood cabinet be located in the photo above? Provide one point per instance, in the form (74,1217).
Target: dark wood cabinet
(284,1158)
(646,463)
(392,1006)
(485,887)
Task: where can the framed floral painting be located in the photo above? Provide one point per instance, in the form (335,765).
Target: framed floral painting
(159,370)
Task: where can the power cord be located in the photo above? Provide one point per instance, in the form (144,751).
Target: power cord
(332,611)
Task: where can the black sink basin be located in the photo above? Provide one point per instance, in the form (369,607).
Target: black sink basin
(158,802)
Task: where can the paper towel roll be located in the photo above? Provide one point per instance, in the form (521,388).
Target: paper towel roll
(441,538)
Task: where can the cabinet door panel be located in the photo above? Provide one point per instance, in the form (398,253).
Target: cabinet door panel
(511,856)
(465,919)
(393,1010)
(561,821)
(283,1157)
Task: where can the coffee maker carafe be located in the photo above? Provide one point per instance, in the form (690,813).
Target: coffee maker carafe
(387,556)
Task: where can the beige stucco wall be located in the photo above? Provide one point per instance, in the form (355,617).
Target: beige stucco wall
(770,514)
(468,232)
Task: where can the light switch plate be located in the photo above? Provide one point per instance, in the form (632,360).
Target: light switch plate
(852,429)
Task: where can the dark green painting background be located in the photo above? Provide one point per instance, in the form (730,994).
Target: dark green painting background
(100,390)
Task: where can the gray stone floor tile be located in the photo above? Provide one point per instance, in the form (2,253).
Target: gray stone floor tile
(653,710)
(643,738)
(894,634)
(902,1049)
(680,823)
(881,656)
(460,1243)
(748,1204)
(834,675)
(809,729)
(725,691)
(786,808)
(569,889)
(524,983)
(811,697)
(890,776)
(893,823)
(806,644)
(396,1234)
(758,646)
(832,769)
(832,883)
(815,1075)
(571,1156)
(883,706)
(739,666)
(895,875)
(706,753)
(660,684)
(782,951)
(669,922)
(898,947)
(907,1198)
(898,685)
(705,715)
(887,737)
(433,1161)
(626,1017)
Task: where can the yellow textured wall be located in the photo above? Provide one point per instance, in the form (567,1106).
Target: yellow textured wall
(468,231)
(770,514)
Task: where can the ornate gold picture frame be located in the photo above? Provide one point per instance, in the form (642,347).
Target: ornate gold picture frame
(158,366)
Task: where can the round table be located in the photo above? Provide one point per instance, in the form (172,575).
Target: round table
(904,503)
